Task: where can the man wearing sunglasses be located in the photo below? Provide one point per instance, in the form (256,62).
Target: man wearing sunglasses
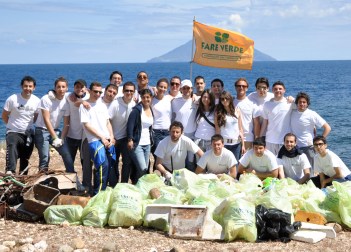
(98,130)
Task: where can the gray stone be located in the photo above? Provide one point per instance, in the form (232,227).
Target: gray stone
(65,248)
(78,243)
(28,247)
(41,246)
(28,240)
(9,244)
(109,247)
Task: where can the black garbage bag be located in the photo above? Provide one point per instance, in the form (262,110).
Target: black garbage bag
(274,224)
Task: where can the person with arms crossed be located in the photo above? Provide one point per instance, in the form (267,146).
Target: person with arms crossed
(98,130)
(293,162)
(172,151)
(329,165)
(19,114)
(259,161)
(217,160)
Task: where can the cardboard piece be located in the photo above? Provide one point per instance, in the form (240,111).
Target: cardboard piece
(66,181)
(308,236)
(329,231)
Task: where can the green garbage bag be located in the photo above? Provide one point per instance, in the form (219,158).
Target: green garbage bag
(344,193)
(237,217)
(57,214)
(96,212)
(148,182)
(183,178)
(170,195)
(127,206)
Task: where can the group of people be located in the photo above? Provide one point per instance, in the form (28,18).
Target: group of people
(182,125)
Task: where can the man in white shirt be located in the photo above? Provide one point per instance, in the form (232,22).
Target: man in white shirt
(172,151)
(119,112)
(276,118)
(47,132)
(303,124)
(98,130)
(218,160)
(247,109)
(200,85)
(294,162)
(19,114)
(116,78)
(259,161)
(174,87)
(329,165)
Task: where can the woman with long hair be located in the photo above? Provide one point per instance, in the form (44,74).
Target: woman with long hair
(228,123)
(161,107)
(204,119)
(139,133)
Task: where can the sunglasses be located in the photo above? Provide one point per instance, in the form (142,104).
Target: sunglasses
(128,91)
(240,86)
(142,77)
(97,91)
(318,144)
(224,99)
(175,84)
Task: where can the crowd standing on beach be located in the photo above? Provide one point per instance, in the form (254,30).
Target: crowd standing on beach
(180,122)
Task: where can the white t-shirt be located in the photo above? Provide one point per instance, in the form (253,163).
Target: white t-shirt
(178,151)
(21,112)
(146,122)
(294,167)
(97,117)
(217,164)
(57,109)
(119,92)
(204,130)
(162,112)
(278,115)
(327,164)
(185,111)
(247,109)
(75,130)
(230,130)
(266,163)
(119,112)
(258,100)
(302,125)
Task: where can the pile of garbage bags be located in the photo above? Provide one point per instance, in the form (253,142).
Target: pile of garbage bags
(243,207)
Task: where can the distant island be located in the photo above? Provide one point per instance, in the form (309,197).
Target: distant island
(183,52)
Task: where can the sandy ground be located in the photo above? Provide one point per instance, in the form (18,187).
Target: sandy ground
(138,239)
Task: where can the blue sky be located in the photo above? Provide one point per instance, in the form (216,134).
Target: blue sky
(79,31)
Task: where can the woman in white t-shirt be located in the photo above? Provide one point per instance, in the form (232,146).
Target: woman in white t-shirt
(139,129)
(228,123)
(161,107)
(204,119)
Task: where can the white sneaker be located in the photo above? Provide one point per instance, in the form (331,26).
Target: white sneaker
(9,173)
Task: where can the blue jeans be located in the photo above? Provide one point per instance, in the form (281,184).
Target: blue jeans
(235,149)
(16,147)
(159,134)
(140,156)
(74,145)
(43,141)
(127,164)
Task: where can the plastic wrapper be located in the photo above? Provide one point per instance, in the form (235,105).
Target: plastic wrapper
(57,214)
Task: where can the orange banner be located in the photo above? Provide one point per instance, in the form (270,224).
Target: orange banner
(221,48)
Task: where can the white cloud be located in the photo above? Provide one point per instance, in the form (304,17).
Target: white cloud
(21,41)
(292,11)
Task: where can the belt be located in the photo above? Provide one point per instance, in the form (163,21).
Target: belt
(231,141)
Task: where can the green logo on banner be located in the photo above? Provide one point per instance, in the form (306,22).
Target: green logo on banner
(221,37)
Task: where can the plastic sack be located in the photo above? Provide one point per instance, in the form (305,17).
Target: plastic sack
(58,214)
(127,208)
(344,202)
(237,217)
(183,178)
(147,182)
(96,212)
(274,224)
(170,195)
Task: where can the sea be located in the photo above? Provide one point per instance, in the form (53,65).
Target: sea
(327,82)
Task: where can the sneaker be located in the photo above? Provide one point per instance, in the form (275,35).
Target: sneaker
(9,173)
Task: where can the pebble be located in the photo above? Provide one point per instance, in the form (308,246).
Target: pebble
(109,247)
(4,248)
(177,249)
(27,248)
(9,244)
(65,248)
(153,250)
(65,224)
(81,250)
(25,241)
(119,228)
(131,227)
(78,243)
(41,246)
